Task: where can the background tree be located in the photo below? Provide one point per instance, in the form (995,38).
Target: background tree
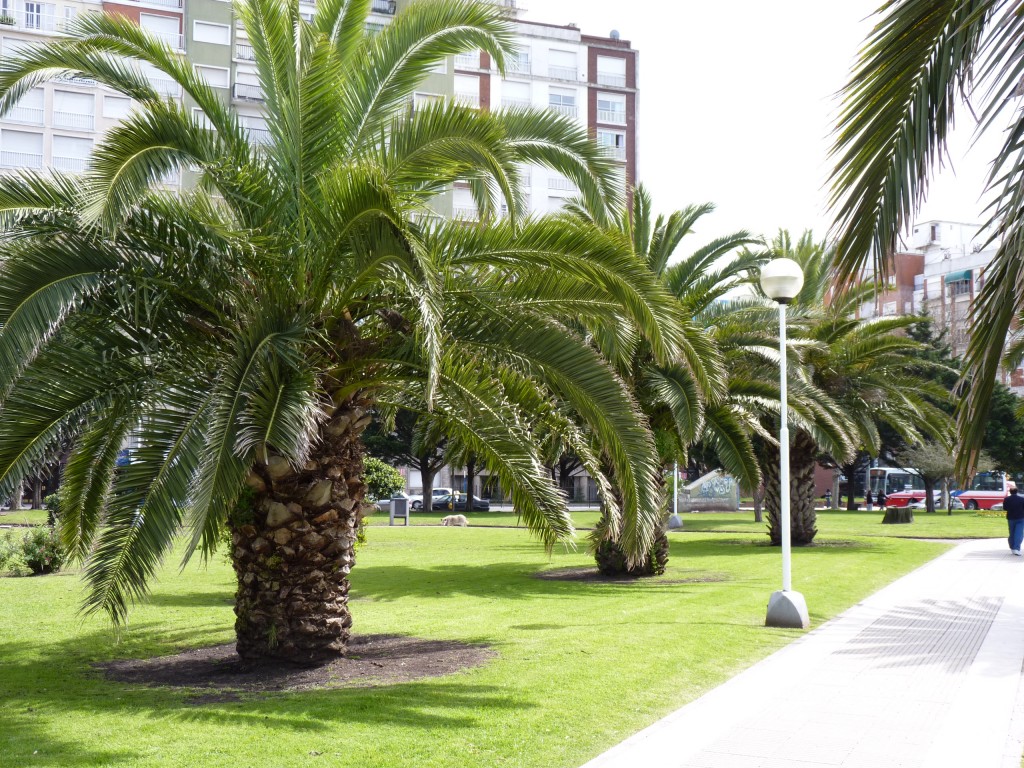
(414,440)
(867,369)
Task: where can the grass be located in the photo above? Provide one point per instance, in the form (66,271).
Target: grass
(962,524)
(580,666)
(23,517)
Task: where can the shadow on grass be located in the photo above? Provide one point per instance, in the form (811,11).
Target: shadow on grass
(58,679)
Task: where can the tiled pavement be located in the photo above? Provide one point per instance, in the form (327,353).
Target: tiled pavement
(926,672)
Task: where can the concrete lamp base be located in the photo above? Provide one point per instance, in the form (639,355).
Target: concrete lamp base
(787,610)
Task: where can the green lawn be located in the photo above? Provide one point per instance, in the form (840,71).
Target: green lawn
(962,524)
(579,666)
(23,517)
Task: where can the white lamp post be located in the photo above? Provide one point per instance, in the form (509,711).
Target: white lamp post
(781,280)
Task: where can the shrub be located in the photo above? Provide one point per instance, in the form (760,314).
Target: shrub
(12,561)
(52,505)
(42,550)
(382,479)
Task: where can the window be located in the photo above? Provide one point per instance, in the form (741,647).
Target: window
(960,288)
(611,71)
(515,94)
(71,154)
(39,16)
(614,142)
(256,129)
(167,28)
(217,77)
(21,149)
(562,65)
(12,47)
(611,108)
(208,32)
(889,308)
(74,110)
(201,119)
(518,62)
(467,90)
(29,108)
(116,107)
(555,204)
(563,101)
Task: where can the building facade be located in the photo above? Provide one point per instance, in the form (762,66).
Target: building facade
(939,273)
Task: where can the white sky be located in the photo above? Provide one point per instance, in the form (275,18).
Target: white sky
(737,101)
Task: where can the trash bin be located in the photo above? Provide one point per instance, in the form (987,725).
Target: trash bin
(399,508)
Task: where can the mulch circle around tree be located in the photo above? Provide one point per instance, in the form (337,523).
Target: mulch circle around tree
(589,574)
(372,660)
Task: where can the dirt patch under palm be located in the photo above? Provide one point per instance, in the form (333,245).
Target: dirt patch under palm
(591,575)
(372,660)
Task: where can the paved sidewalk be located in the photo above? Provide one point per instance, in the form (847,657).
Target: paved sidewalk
(926,672)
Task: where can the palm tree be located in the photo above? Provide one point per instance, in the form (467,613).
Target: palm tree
(921,62)
(242,331)
(861,373)
(686,400)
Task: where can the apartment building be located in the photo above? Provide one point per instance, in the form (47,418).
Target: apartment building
(588,78)
(939,272)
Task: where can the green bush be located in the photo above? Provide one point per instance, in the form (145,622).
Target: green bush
(42,550)
(12,561)
(381,478)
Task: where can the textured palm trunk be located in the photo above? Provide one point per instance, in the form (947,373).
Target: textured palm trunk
(294,547)
(611,557)
(803,518)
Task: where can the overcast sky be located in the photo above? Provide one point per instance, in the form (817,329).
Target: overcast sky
(737,100)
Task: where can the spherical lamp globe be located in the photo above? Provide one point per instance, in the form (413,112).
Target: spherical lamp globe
(781,280)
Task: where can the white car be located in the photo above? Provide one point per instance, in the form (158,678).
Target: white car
(416,502)
(954,502)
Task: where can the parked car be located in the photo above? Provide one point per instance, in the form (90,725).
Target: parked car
(954,502)
(458,503)
(416,502)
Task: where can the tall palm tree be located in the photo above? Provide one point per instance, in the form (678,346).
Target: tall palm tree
(921,64)
(862,373)
(242,331)
(684,400)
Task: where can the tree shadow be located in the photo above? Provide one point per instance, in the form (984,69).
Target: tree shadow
(31,682)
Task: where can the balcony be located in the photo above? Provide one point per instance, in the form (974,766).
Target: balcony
(616,153)
(69,164)
(516,103)
(569,110)
(467,60)
(607,78)
(386,7)
(613,116)
(563,73)
(244,52)
(160,3)
(468,99)
(247,92)
(165,86)
(172,39)
(465,213)
(561,184)
(9,159)
(259,136)
(73,120)
(32,21)
(28,115)
(519,65)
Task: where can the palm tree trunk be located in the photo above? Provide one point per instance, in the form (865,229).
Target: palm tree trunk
(294,547)
(805,516)
(802,515)
(759,495)
(427,478)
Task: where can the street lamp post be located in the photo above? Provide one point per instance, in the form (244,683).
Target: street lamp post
(781,280)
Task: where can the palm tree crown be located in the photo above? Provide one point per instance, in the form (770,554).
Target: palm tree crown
(240,332)
(922,61)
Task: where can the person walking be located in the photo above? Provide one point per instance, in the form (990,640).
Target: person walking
(1014,506)
(869,501)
